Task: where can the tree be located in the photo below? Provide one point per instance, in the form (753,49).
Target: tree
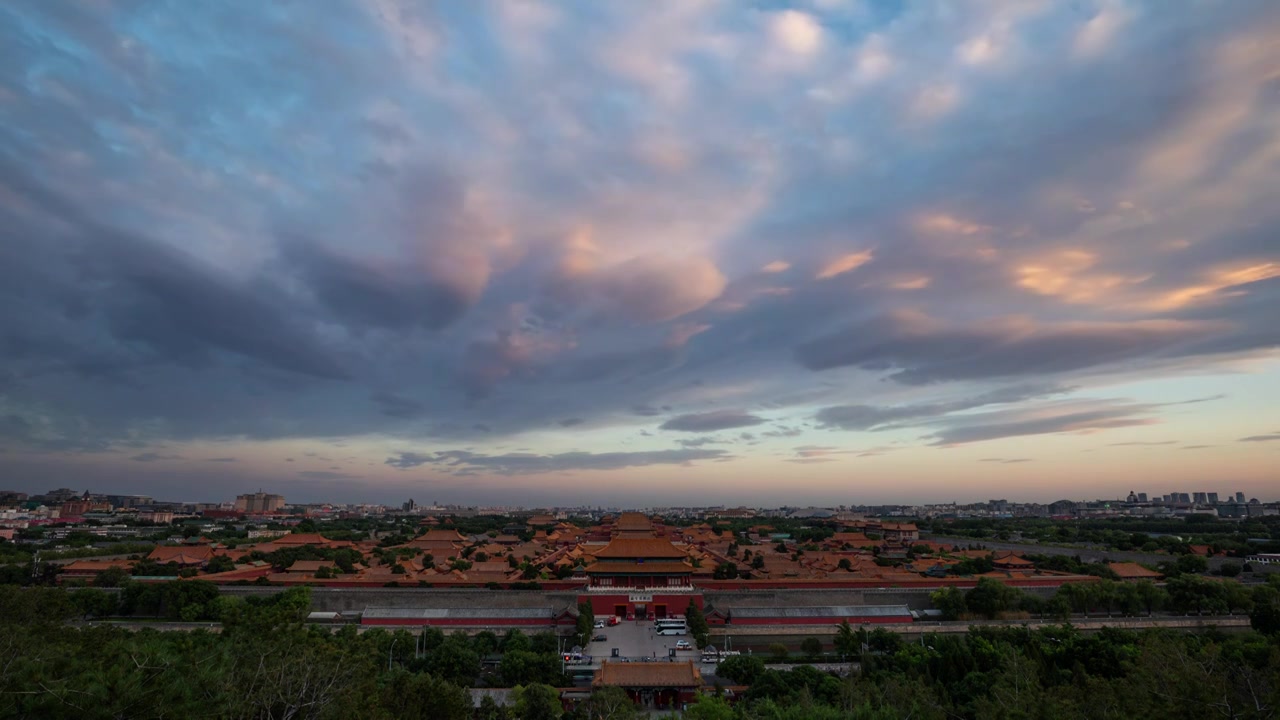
(1230,569)
(845,564)
(950,601)
(220,564)
(1265,616)
(1150,596)
(610,703)
(1193,564)
(741,669)
(586,622)
(710,707)
(779,652)
(455,661)
(698,626)
(991,597)
(847,642)
(811,647)
(757,562)
(112,577)
(415,696)
(485,643)
(537,702)
(726,571)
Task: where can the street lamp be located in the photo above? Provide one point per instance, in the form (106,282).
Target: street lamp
(391,651)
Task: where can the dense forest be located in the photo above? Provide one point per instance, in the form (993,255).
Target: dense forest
(267,663)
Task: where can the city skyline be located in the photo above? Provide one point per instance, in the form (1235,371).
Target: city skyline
(703,253)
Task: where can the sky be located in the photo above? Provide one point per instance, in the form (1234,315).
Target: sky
(659,253)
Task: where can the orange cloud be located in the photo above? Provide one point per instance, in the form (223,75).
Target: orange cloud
(844,264)
(1065,274)
(1216,281)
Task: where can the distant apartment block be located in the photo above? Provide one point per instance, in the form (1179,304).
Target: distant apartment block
(1213,498)
(1200,498)
(259,502)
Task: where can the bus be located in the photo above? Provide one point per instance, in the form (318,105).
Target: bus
(671,626)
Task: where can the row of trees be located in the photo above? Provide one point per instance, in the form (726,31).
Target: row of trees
(1184,594)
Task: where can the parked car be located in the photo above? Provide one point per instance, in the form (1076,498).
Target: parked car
(599,624)
(683,645)
(600,638)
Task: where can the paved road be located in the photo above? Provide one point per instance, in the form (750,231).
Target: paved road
(636,640)
(1091,554)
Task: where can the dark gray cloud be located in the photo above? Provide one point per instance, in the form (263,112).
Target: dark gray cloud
(873,417)
(467,462)
(1073,417)
(570,422)
(222,459)
(365,295)
(399,407)
(325,475)
(1261,438)
(712,421)
(153,457)
(1006,461)
(920,351)
(406,460)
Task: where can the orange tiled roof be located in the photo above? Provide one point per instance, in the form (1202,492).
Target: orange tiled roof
(441,536)
(1133,571)
(644,567)
(621,548)
(181,554)
(651,675)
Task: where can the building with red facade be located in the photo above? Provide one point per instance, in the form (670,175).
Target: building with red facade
(637,577)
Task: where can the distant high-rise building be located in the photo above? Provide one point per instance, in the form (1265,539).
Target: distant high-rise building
(1142,497)
(259,502)
(1213,498)
(1239,497)
(1200,498)
(1183,498)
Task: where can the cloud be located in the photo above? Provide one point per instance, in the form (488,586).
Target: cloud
(325,475)
(533,463)
(1005,461)
(1066,417)
(153,457)
(796,32)
(844,264)
(874,417)
(406,460)
(1261,438)
(712,421)
(653,288)
(921,350)
(570,422)
(282,249)
(398,407)
(222,459)
(1100,30)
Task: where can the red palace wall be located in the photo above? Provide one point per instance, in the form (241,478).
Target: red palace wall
(853,620)
(460,622)
(605,605)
